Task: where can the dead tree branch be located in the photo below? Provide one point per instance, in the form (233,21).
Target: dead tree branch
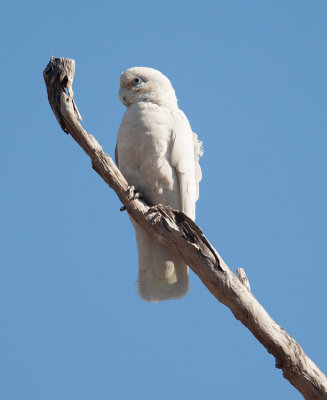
(175,229)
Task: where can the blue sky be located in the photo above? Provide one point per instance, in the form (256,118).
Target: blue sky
(251,77)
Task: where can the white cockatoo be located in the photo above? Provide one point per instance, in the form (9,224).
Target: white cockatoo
(158,154)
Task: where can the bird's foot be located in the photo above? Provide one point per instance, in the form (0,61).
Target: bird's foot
(132,194)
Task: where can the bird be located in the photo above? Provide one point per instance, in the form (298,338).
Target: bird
(158,154)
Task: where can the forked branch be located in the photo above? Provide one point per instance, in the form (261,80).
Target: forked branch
(174,229)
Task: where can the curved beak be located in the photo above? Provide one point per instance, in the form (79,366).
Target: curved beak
(122,96)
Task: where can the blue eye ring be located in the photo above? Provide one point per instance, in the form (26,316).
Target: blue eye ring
(138,82)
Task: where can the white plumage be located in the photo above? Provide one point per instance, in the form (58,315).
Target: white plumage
(158,154)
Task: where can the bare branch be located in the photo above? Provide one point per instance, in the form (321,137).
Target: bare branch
(174,229)
(243,278)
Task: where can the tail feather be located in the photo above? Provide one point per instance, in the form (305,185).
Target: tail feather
(163,275)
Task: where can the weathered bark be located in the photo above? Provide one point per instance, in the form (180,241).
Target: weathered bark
(173,228)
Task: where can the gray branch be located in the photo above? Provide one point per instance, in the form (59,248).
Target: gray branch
(174,229)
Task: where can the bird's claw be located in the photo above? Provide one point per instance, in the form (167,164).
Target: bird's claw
(132,194)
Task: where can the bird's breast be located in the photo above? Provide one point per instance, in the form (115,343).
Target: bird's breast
(143,147)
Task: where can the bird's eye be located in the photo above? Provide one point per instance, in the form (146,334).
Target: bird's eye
(138,82)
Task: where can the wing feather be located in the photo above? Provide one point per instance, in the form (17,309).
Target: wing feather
(185,153)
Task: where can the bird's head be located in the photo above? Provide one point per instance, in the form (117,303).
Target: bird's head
(141,84)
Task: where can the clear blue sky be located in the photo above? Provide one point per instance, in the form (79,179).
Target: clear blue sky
(251,77)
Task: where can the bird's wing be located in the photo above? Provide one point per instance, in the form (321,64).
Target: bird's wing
(184,158)
(116,156)
(198,151)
